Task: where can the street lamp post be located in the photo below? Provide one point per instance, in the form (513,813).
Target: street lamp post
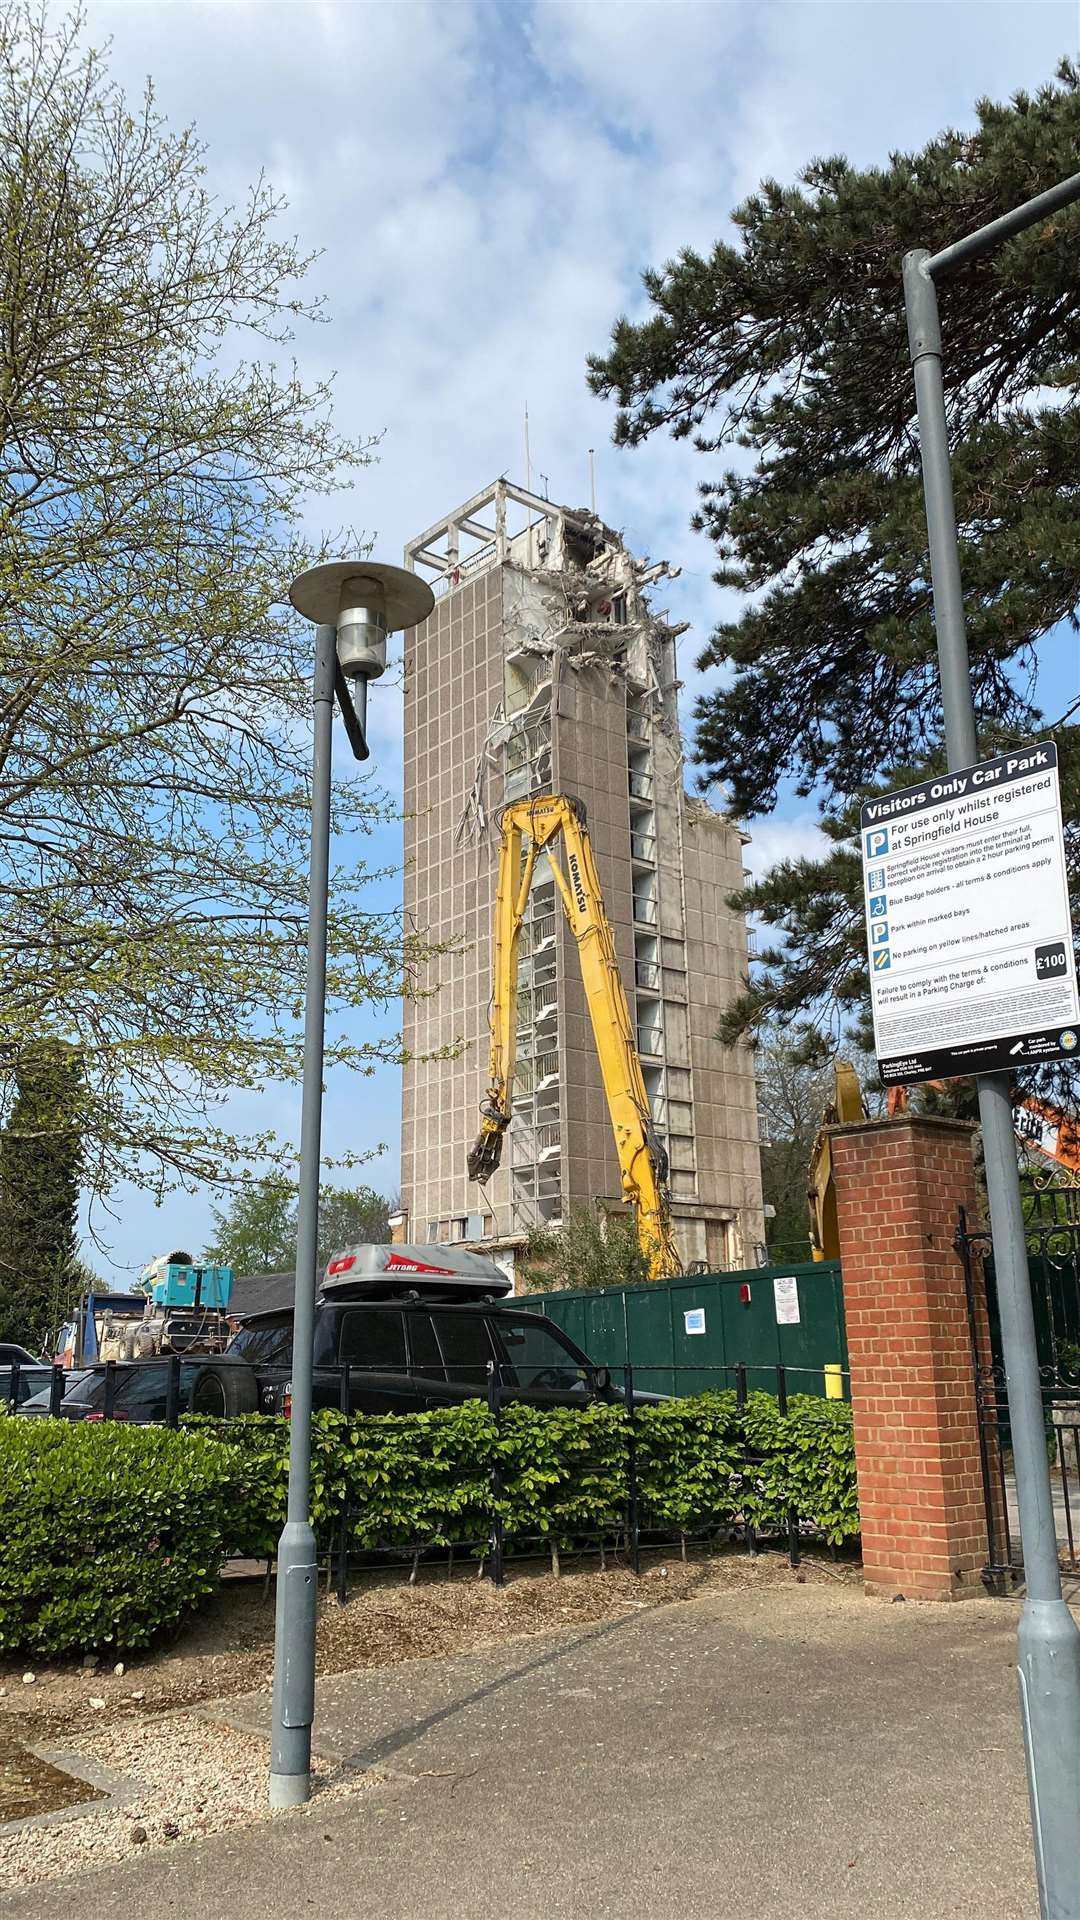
(1049,1642)
(354,604)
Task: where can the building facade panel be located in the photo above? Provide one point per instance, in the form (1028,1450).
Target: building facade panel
(544,669)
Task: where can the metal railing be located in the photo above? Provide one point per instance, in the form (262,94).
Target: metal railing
(472,1515)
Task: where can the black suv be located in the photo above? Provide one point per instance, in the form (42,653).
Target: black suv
(397,1333)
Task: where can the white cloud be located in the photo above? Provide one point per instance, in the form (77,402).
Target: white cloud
(797,838)
(487,182)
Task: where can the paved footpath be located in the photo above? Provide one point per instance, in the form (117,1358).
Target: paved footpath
(779,1752)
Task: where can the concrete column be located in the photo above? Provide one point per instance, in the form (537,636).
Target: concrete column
(899,1184)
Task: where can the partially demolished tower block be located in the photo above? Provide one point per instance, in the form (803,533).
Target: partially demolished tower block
(543,669)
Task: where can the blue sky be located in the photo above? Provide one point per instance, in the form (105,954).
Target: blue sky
(486,182)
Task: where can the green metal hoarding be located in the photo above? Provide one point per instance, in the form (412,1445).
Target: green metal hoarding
(685,1335)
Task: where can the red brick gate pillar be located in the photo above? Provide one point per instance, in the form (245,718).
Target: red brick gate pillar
(899,1184)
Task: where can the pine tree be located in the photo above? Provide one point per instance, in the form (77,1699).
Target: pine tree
(40,1161)
(786,353)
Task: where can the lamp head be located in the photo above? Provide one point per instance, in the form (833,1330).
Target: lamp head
(365,600)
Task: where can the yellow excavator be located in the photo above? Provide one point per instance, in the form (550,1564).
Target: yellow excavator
(530,827)
(844,1109)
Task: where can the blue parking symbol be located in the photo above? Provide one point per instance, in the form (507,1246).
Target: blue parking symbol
(879,933)
(878,906)
(877,843)
(882,960)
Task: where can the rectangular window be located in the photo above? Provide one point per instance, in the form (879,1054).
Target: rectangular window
(466,1346)
(537,1357)
(264,1346)
(424,1354)
(373,1337)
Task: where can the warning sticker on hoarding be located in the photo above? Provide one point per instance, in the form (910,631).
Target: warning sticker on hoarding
(786,1295)
(967,921)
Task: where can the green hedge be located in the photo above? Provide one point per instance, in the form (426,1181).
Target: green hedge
(109,1533)
(430,1478)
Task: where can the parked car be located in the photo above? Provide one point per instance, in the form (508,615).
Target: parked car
(140,1388)
(10,1350)
(34,1382)
(417,1328)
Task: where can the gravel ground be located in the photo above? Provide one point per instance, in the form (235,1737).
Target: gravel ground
(199,1777)
(228,1647)
(203,1777)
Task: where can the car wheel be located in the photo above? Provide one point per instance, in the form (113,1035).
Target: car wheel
(224,1391)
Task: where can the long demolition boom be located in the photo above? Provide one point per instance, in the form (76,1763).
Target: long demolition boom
(642,1160)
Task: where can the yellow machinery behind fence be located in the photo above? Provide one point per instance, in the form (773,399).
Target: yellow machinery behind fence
(1038,1124)
(845,1108)
(530,827)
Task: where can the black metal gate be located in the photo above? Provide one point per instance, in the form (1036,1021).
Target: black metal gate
(1052,1220)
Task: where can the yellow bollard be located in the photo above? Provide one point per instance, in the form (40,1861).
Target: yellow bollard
(834,1380)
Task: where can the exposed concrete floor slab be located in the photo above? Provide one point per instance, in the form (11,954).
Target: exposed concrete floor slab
(781,1753)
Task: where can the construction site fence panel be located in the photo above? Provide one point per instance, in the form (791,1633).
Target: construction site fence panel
(676,1333)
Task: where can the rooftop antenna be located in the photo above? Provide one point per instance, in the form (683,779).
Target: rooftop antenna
(592,481)
(528,489)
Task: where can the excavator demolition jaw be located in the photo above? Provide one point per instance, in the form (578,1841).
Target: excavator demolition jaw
(485,1155)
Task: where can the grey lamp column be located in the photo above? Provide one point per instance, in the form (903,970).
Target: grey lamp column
(355,604)
(1048,1662)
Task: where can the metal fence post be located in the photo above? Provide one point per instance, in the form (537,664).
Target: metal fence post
(496,1538)
(632,1523)
(740,1403)
(1049,1641)
(56,1391)
(172,1392)
(345,1404)
(792,1513)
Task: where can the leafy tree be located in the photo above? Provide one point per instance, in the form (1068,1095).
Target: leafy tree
(154,683)
(352,1216)
(256,1232)
(785,352)
(794,1087)
(40,1161)
(792,1091)
(586,1251)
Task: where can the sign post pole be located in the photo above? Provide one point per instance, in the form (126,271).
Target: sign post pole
(1049,1641)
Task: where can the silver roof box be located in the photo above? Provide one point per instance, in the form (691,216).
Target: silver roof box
(452,1272)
